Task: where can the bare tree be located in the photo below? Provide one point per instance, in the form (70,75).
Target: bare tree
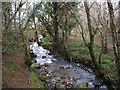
(115,37)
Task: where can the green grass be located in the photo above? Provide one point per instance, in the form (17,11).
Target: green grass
(79,51)
(75,43)
(97,51)
(13,63)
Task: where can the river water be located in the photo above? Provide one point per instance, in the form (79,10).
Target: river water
(66,69)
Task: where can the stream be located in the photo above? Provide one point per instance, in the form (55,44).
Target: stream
(57,72)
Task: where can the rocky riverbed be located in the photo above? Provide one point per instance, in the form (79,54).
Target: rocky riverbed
(58,73)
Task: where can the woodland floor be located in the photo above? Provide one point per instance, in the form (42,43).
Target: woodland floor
(14,72)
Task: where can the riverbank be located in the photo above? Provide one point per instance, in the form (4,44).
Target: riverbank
(15,73)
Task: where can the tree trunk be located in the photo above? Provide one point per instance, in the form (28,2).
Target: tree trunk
(56,43)
(91,44)
(115,39)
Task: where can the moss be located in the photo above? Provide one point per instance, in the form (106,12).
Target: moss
(75,43)
(35,79)
(78,57)
(44,78)
(33,55)
(56,75)
(83,85)
(58,85)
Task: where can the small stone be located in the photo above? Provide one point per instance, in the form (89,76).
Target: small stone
(34,61)
(54,60)
(71,79)
(104,87)
(67,67)
(43,56)
(71,83)
(62,86)
(49,53)
(62,67)
(46,65)
(79,78)
(78,65)
(90,85)
(47,75)
(53,80)
(47,81)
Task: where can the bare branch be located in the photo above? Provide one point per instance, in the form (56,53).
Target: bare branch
(10,20)
(80,26)
(91,5)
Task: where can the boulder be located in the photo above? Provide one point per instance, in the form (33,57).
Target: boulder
(36,65)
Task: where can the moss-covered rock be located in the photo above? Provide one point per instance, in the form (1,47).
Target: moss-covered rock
(32,55)
(36,65)
(58,86)
(83,85)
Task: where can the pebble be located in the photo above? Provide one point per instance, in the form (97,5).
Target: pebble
(54,60)
(62,86)
(65,67)
(62,67)
(78,65)
(105,87)
(47,81)
(90,85)
(43,56)
(53,80)
(47,75)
